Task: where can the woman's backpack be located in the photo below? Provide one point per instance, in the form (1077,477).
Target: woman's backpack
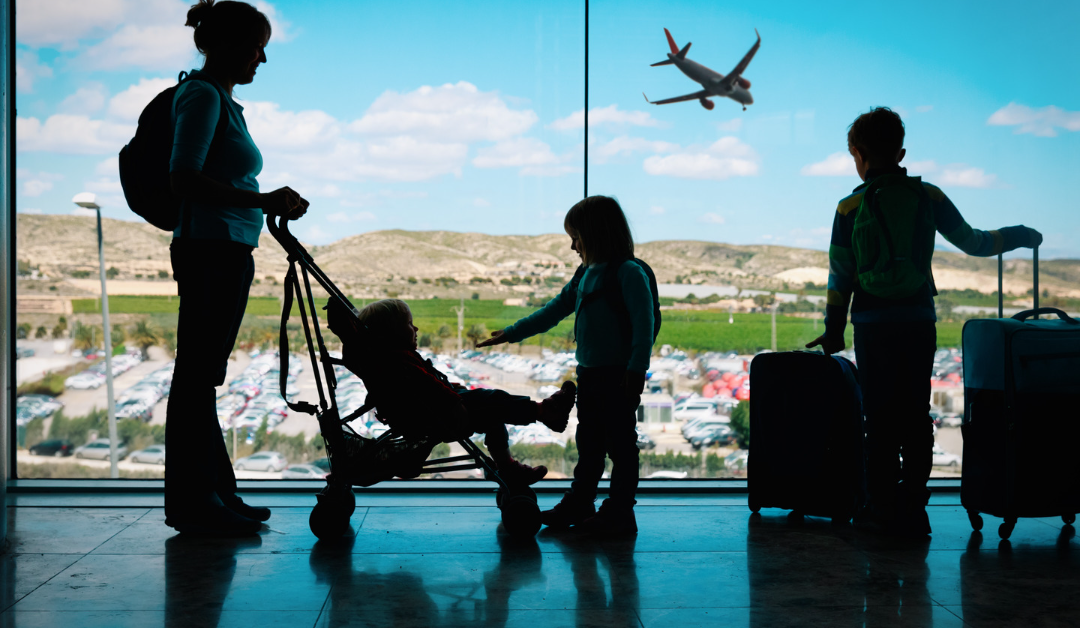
(893,237)
(144,162)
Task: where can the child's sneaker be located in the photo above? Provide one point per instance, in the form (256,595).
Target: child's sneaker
(519,474)
(571,511)
(555,410)
(611,520)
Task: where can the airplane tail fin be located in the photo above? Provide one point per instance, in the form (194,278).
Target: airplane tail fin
(671,42)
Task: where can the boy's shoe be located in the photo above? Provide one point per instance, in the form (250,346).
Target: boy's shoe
(571,511)
(237,505)
(611,520)
(555,410)
(519,474)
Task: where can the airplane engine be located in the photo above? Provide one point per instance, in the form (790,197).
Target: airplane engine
(708,104)
(744,83)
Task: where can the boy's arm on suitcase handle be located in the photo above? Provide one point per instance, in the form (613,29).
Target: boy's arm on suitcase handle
(828,344)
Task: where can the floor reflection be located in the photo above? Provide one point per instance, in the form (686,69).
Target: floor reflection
(605,577)
(198,574)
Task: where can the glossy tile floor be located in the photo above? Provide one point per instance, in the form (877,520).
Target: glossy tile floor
(443,561)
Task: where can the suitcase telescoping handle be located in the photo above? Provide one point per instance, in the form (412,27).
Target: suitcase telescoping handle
(1035,273)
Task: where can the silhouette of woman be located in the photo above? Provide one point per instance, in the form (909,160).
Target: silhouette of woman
(213,168)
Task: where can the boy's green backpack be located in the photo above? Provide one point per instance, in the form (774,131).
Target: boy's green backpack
(893,237)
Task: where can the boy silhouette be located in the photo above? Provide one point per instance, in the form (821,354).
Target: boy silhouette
(881,248)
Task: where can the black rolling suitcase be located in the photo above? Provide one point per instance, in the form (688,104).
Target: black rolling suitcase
(806,435)
(1021,416)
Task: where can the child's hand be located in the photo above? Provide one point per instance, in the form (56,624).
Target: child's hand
(496,339)
(827,344)
(635,385)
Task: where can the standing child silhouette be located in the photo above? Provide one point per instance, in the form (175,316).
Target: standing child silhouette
(614,341)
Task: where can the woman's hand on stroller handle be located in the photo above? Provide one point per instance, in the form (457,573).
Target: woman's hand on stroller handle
(496,339)
(285,202)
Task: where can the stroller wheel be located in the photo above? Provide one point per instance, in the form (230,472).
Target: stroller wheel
(329,519)
(520,513)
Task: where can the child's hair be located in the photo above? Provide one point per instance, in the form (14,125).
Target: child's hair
(878,135)
(381,316)
(600,224)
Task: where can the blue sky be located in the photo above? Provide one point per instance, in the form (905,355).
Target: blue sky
(469,116)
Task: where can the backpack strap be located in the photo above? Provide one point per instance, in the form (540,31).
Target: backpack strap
(219,131)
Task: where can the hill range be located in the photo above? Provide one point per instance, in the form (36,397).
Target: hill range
(63,249)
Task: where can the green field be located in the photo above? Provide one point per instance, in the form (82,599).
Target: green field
(685,329)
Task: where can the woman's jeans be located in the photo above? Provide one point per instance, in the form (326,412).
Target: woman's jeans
(213,278)
(607,422)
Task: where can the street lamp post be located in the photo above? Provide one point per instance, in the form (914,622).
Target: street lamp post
(89,201)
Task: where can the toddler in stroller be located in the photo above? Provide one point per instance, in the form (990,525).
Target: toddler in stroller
(417,401)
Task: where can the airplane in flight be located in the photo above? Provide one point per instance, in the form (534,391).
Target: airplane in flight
(732,86)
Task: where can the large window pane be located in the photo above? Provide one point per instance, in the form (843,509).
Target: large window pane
(733,208)
(425,135)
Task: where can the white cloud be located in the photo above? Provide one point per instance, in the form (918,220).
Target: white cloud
(711,218)
(609,115)
(960,175)
(316,235)
(354,217)
(518,152)
(103,185)
(624,145)
(128,104)
(766,237)
(449,113)
(281,29)
(28,69)
(1043,122)
(36,187)
(83,211)
(155,47)
(657,210)
(549,171)
(481,202)
(71,134)
(835,165)
(924,108)
(85,100)
(272,128)
(63,22)
(32,211)
(955,175)
(108,167)
(732,126)
(727,157)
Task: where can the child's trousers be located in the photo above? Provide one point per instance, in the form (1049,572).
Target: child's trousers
(606,427)
(895,362)
(490,410)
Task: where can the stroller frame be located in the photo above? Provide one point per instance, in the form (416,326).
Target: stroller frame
(336,502)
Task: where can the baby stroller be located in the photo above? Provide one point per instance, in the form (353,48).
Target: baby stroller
(355,460)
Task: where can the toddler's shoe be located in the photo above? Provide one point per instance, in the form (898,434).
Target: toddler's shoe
(237,505)
(516,473)
(571,511)
(555,410)
(611,521)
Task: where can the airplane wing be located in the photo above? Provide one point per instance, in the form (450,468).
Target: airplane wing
(739,69)
(694,96)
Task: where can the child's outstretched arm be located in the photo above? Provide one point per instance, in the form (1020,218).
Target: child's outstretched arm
(538,322)
(956,230)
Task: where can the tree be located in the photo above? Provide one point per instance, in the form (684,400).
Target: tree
(444,332)
(41,332)
(84,337)
(23,331)
(476,333)
(168,340)
(112,272)
(740,423)
(118,336)
(424,340)
(145,335)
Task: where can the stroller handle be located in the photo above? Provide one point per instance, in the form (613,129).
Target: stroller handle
(280,230)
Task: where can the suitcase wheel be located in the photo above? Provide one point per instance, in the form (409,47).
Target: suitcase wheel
(1069,519)
(1005,529)
(975,519)
(755,505)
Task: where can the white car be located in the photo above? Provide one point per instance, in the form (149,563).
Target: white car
(303,472)
(154,454)
(943,458)
(99,449)
(692,408)
(667,475)
(85,381)
(262,461)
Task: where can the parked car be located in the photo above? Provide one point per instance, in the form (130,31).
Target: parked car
(735,462)
(943,458)
(693,408)
(323,464)
(706,425)
(85,380)
(951,419)
(135,409)
(262,461)
(303,472)
(667,475)
(55,447)
(154,454)
(99,450)
(716,435)
(23,352)
(644,441)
